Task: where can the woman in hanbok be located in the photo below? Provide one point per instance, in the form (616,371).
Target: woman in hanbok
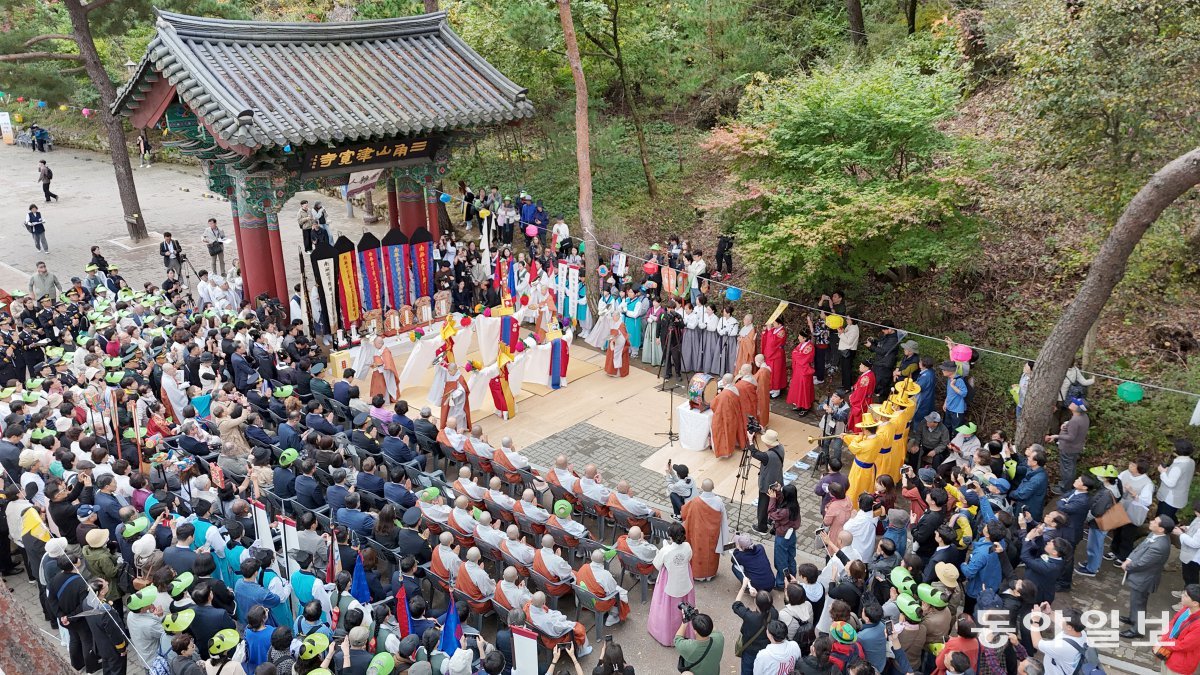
(633,307)
(693,338)
(712,354)
(800,393)
(651,344)
(727,329)
(674,585)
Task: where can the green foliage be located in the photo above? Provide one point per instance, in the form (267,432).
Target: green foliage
(840,165)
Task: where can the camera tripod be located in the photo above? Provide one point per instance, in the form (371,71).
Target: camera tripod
(745,463)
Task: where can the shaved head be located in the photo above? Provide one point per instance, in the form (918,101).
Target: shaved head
(510,574)
(547,541)
(473,555)
(561,462)
(464,472)
(706,485)
(590,470)
(451,422)
(462,502)
(495,483)
(514,532)
(538,600)
(477,430)
(635,533)
(598,556)
(446,539)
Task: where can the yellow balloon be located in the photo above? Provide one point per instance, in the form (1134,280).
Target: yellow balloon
(484,213)
(18,118)
(834,321)
(62,107)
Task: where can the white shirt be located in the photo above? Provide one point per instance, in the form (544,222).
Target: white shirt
(695,269)
(776,658)
(561,231)
(848,338)
(1176,482)
(862,526)
(1137,506)
(677,559)
(1061,657)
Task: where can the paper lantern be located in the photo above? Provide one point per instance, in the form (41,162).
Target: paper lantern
(531,231)
(466,321)
(960,353)
(484,213)
(63,107)
(2,94)
(565,321)
(87,112)
(602,271)
(445,198)
(834,321)
(41,104)
(468,366)
(1130,392)
(519,348)
(650,267)
(733,294)
(287,148)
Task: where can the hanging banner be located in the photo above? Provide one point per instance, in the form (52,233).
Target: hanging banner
(396,268)
(6,128)
(422,263)
(670,278)
(573,294)
(370,267)
(324,264)
(347,271)
(560,287)
(361,182)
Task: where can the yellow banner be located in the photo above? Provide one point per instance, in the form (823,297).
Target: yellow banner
(777,313)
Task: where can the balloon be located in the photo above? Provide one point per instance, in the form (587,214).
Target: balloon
(960,353)
(466,321)
(524,300)
(602,271)
(445,198)
(41,104)
(18,118)
(650,267)
(733,294)
(484,213)
(87,112)
(1130,392)
(487,311)
(20,99)
(834,321)
(531,231)
(62,107)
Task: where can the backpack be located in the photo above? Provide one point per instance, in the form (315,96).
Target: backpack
(49,174)
(1089,659)
(160,666)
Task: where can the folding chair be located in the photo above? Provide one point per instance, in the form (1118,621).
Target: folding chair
(553,591)
(629,564)
(585,601)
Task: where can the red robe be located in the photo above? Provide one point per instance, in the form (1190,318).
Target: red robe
(748,395)
(773,341)
(800,393)
(861,396)
(728,423)
(703,526)
(586,578)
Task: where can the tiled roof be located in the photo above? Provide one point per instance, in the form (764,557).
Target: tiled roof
(324,82)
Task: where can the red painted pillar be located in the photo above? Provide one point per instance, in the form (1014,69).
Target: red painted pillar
(431,208)
(279,276)
(412,210)
(255,254)
(231,193)
(393,208)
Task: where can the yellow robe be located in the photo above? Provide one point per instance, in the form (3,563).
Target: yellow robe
(891,462)
(885,459)
(862,470)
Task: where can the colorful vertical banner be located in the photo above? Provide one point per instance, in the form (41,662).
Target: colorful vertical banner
(421,249)
(560,287)
(396,268)
(370,269)
(324,264)
(348,288)
(572,293)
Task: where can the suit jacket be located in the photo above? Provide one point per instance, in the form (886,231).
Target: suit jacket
(950,554)
(289,437)
(243,373)
(1146,563)
(426,434)
(263,361)
(1075,507)
(308,492)
(341,392)
(1042,573)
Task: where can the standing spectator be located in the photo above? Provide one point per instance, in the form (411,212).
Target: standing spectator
(674,586)
(143,148)
(1070,439)
(847,351)
(43,283)
(45,175)
(724,256)
(172,253)
(1189,549)
(1175,481)
(214,239)
(1062,653)
(1137,493)
(784,514)
(321,228)
(1030,494)
(770,474)
(886,351)
(955,406)
(696,270)
(1182,635)
(1074,385)
(833,475)
(304,218)
(36,226)
(837,511)
(1143,570)
(701,654)
(753,634)
(780,654)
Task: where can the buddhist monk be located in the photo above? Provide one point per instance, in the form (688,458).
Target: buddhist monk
(747,388)
(747,344)
(385,377)
(707,527)
(616,360)
(728,420)
(763,377)
(596,577)
(455,394)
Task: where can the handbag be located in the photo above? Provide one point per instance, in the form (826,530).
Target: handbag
(740,646)
(1113,518)
(216,248)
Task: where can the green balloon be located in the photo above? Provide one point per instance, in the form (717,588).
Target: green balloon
(1130,392)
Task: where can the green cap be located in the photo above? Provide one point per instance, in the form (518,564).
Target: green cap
(284,391)
(114,378)
(383,664)
(29,397)
(7,392)
(902,580)
(909,608)
(135,527)
(563,508)
(430,493)
(932,596)
(288,456)
(182,583)
(177,622)
(314,645)
(225,640)
(34,383)
(128,433)
(39,434)
(143,598)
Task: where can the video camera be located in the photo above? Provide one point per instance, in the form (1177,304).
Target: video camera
(689,611)
(753,426)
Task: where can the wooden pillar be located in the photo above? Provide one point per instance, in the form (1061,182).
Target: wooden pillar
(279,276)
(410,196)
(392,204)
(431,208)
(254,249)
(231,192)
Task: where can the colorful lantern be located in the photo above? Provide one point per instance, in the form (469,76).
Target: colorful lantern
(524,300)
(20,99)
(466,321)
(1130,392)
(733,294)
(531,230)
(87,112)
(650,267)
(960,353)
(63,107)
(445,198)
(41,104)
(484,213)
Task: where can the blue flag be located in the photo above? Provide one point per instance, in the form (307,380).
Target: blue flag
(358,584)
(451,631)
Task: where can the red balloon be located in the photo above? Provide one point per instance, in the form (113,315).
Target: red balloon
(466,321)
(20,99)
(650,267)
(524,300)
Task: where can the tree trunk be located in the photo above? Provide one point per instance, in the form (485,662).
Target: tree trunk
(118,150)
(910,15)
(26,648)
(431,6)
(643,151)
(858,29)
(1107,270)
(583,153)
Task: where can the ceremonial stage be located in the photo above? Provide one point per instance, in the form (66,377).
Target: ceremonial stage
(613,423)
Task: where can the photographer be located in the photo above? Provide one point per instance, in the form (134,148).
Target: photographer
(700,655)
(172,253)
(770,475)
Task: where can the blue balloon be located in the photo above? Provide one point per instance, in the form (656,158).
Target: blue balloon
(287,148)
(733,294)
(41,104)
(445,198)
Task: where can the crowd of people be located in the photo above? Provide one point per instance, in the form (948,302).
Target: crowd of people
(149,439)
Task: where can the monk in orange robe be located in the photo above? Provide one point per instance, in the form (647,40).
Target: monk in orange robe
(763,377)
(595,577)
(385,376)
(707,527)
(728,421)
(455,398)
(616,362)
(747,344)
(747,389)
